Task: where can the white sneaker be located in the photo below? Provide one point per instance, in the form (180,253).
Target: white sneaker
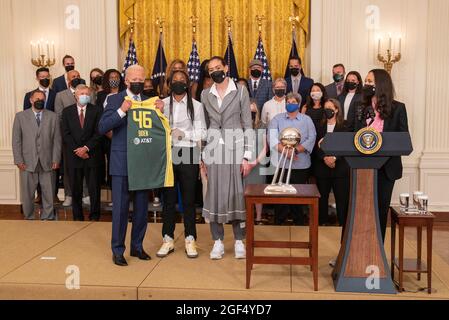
(167,247)
(333,263)
(217,251)
(86,201)
(67,202)
(191,251)
(240,251)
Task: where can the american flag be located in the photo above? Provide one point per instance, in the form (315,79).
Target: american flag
(233,72)
(131,58)
(160,66)
(194,64)
(260,55)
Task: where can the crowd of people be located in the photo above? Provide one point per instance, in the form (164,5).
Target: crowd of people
(76,133)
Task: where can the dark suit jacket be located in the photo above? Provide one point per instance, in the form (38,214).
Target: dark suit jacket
(331,91)
(59,84)
(111,120)
(398,122)
(356,101)
(320,169)
(264,92)
(50,100)
(76,137)
(304,87)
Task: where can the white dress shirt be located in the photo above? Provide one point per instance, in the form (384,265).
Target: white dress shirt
(180,119)
(347,104)
(231,87)
(299,77)
(131,95)
(271,109)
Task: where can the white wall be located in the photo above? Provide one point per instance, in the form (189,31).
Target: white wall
(339,33)
(94,44)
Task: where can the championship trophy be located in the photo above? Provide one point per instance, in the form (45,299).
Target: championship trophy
(290,138)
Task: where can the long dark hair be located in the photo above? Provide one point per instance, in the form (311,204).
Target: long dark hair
(190,109)
(340,116)
(310,103)
(384,93)
(204,73)
(359,79)
(106,87)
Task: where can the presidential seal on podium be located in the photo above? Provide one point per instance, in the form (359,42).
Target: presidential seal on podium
(368,141)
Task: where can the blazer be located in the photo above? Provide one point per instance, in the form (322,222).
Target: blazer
(50,103)
(397,122)
(264,92)
(305,86)
(356,101)
(234,114)
(110,120)
(63,100)
(76,137)
(32,143)
(331,91)
(320,169)
(59,84)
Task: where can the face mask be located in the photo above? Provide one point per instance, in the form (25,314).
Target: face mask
(137,87)
(369,91)
(350,85)
(295,71)
(44,83)
(76,82)
(292,107)
(280,93)
(39,105)
(69,68)
(114,84)
(84,100)
(178,88)
(316,96)
(98,80)
(256,73)
(150,93)
(338,77)
(218,76)
(329,113)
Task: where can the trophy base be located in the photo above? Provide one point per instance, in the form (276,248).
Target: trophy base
(280,189)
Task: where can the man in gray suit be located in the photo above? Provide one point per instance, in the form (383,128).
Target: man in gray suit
(335,89)
(259,89)
(37,153)
(63,100)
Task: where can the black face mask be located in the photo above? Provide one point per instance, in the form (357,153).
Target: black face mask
(178,87)
(256,73)
(44,83)
(350,85)
(76,82)
(295,71)
(150,93)
(69,68)
(137,87)
(218,76)
(369,91)
(280,93)
(39,104)
(98,80)
(338,77)
(329,113)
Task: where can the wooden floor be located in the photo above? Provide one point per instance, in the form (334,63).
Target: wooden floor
(35,257)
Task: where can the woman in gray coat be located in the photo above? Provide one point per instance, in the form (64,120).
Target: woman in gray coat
(225,157)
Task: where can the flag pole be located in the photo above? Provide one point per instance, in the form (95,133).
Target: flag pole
(160,22)
(193,22)
(229,20)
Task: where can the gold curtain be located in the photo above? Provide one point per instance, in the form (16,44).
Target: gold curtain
(212,29)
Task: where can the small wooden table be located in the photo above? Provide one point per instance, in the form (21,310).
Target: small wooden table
(411,265)
(307,195)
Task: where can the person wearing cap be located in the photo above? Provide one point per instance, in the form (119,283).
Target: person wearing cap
(259,88)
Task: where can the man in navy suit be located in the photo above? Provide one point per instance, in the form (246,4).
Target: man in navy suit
(61,83)
(259,89)
(297,82)
(43,78)
(115,119)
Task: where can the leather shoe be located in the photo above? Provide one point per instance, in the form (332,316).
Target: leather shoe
(120,261)
(142,255)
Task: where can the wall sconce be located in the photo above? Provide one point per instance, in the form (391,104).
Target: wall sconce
(43,53)
(389,59)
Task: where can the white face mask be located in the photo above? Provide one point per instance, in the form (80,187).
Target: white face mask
(316,95)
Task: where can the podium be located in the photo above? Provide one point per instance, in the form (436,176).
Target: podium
(361,265)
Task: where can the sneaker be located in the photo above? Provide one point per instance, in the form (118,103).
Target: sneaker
(67,202)
(167,247)
(86,201)
(217,251)
(333,263)
(191,248)
(240,251)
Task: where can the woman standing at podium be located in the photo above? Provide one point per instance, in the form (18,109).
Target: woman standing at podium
(387,115)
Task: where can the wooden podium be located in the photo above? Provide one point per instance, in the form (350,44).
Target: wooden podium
(362,266)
